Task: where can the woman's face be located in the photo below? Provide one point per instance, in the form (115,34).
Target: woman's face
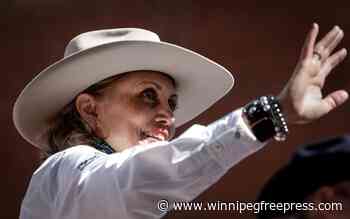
(137,109)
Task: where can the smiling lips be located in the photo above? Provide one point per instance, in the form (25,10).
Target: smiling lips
(160,134)
(157,134)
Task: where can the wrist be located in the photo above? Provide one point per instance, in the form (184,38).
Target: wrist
(287,106)
(288,110)
(265,118)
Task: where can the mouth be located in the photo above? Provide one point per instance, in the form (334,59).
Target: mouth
(157,134)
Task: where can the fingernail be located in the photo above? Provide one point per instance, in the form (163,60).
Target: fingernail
(343,54)
(345,95)
(336,27)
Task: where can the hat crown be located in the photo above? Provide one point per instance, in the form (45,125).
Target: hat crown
(99,37)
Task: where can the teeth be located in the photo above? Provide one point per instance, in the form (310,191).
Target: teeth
(158,137)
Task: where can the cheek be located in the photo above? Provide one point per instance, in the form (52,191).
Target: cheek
(126,114)
(140,113)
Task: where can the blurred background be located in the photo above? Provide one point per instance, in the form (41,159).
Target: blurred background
(258,41)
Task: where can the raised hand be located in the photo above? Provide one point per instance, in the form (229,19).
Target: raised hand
(302,96)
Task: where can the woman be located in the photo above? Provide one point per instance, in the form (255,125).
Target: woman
(107,111)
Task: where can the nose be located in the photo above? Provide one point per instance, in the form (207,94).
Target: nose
(165,120)
(165,116)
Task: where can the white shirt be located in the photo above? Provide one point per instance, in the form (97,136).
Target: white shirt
(83,183)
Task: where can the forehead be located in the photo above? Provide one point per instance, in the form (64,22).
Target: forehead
(161,80)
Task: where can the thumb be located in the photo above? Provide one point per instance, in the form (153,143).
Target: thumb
(333,100)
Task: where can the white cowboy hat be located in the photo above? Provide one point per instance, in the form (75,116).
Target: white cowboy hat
(93,56)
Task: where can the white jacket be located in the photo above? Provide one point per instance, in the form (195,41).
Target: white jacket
(83,183)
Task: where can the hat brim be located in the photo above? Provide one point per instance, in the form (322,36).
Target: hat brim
(201,81)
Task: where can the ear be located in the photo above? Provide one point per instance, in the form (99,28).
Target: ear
(86,106)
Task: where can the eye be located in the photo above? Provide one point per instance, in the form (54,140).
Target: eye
(173,103)
(150,96)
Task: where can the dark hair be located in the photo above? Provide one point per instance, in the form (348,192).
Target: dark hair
(304,174)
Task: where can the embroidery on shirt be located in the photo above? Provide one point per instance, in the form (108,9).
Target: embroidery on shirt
(86,162)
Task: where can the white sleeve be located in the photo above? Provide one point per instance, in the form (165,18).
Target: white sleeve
(129,184)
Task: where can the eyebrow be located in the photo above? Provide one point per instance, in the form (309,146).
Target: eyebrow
(156,85)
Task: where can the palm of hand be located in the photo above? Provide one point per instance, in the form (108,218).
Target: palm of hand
(302,96)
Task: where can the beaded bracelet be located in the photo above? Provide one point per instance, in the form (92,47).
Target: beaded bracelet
(265,116)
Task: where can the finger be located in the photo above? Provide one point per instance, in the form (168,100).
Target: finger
(330,36)
(329,42)
(335,42)
(309,43)
(334,100)
(333,61)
